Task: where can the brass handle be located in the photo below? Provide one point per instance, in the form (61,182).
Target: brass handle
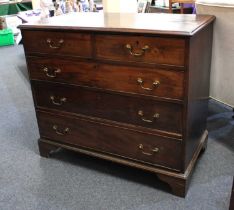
(53,45)
(60,102)
(137,54)
(51,73)
(155,116)
(155,84)
(61,133)
(152,151)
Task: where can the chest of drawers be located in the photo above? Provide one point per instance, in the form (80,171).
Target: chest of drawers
(130,88)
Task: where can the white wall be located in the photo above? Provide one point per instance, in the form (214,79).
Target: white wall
(222,67)
(36,4)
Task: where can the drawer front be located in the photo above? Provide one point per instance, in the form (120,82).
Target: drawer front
(141,49)
(146,81)
(74,44)
(128,143)
(132,110)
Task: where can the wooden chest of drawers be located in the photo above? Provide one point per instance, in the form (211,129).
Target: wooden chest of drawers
(128,88)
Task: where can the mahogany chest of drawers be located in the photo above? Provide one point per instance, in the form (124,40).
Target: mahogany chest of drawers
(130,88)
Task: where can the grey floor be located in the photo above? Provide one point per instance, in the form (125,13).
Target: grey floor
(73,181)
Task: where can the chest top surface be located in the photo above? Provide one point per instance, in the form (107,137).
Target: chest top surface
(148,23)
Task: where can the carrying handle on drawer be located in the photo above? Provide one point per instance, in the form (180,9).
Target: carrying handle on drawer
(155,84)
(59,102)
(53,45)
(61,133)
(152,151)
(137,54)
(51,73)
(155,116)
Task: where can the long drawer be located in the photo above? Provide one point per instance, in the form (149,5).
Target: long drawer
(152,149)
(73,44)
(133,110)
(144,49)
(139,80)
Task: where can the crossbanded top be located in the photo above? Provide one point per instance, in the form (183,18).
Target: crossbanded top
(147,23)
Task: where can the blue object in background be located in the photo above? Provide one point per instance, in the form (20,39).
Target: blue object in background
(190,6)
(85,5)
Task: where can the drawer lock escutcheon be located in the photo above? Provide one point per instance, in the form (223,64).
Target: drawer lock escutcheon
(53,44)
(152,151)
(155,84)
(51,73)
(58,102)
(61,133)
(137,54)
(155,116)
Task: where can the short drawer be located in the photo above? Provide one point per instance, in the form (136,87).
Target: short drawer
(72,43)
(124,109)
(127,143)
(145,81)
(156,50)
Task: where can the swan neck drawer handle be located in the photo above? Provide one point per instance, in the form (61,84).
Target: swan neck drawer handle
(137,54)
(54,45)
(155,116)
(152,151)
(155,84)
(61,133)
(51,73)
(59,102)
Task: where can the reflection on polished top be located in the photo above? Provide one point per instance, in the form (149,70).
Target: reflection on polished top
(145,22)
